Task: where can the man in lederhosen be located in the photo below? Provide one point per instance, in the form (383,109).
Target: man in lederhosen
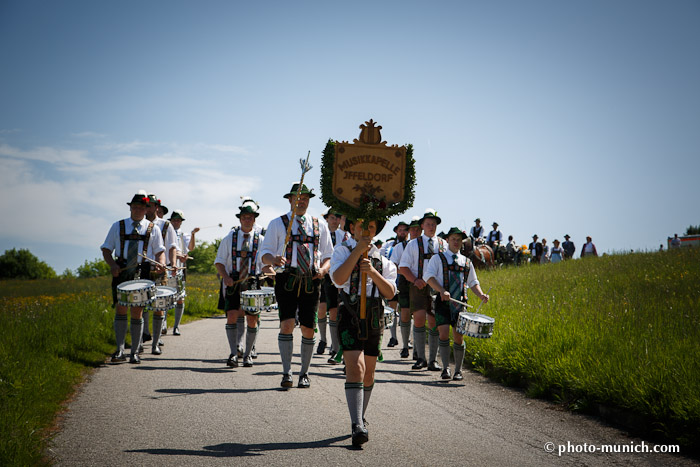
(305,260)
(414,231)
(413,262)
(361,339)
(450,274)
(238,263)
(127,239)
(170,243)
(185,243)
(401,231)
(328,306)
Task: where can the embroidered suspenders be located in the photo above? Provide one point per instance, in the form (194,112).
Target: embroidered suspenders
(422,256)
(464,270)
(235,253)
(301,238)
(355,276)
(123,237)
(166,224)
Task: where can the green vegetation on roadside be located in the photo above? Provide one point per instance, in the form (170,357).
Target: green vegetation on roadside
(53,331)
(618,331)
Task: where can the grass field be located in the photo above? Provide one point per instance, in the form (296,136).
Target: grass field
(618,331)
(53,331)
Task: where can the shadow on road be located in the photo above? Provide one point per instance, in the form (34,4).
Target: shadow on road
(241,450)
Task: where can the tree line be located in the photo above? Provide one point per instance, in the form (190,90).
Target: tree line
(23,264)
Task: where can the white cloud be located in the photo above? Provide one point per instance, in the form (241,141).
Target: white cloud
(47,154)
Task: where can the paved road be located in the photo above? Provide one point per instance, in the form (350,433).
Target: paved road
(186,407)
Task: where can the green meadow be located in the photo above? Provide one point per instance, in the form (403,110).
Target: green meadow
(618,332)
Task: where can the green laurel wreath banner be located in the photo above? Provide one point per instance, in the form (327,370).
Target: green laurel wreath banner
(371,208)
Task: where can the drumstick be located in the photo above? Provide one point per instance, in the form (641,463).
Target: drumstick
(211,226)
(461,303)
(170,268)
(477,310)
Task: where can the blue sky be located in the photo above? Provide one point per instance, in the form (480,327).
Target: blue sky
(548,117)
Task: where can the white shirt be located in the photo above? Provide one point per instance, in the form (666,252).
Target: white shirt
(155,242)
(341,254)
(476,234)
(170,237)
(223,255)
(409,258)
(340,237)
(397,252)
(434,269)
(276,233)
(494,236)
(183,242)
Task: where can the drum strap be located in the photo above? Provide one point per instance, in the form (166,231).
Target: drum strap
(464,270)
(164,233)
(236,253)
(123,237)
(302,238)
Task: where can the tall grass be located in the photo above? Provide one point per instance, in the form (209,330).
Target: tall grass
(52,332)
(620,331)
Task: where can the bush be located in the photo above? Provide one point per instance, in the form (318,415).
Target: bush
(693,230)
(95,268)
(23,264)
(203,256)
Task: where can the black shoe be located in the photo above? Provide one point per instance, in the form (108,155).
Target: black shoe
(155,350)
(458,376)
(331,361)
(145,337)
(404,353)
(304,381)
(176,331)
(359,435)
(446,374)
(140,348)
(118,357)
(134,359)
(321,347)
(164,331)
(287,381)
(392,342)
(434,366)
(240,352)
(410,344)
(161,343)
(331,353)
(232,361)
(420,363)
(247,361)
(253,352)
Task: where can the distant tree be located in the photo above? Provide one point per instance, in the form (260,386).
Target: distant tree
(22,264)
(693,230)
(67,274)
(95,268)
(203,256)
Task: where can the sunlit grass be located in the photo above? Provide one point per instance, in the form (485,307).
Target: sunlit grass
(620,331)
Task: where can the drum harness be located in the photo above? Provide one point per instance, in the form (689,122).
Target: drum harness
(123,237)
(458,269)
(236,253)
(296,279)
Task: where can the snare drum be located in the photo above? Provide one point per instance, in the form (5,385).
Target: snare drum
(253,301)
(178,283)
(475,325)
(136,293)
(165,298)
(270,298)
(388,317)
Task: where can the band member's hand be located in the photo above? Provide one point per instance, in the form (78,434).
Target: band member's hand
(268,270)
(366,266)
(195,230)
(115,270)
(445,296)
(182,257)
(484,298)
(363,244)
(279,261)
(228,282)
(419,283)
(160,267)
